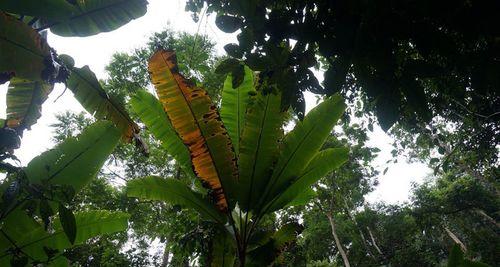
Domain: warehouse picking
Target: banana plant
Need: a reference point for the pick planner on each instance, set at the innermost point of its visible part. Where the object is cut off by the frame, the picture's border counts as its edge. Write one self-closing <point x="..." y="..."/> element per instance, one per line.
<point x="35" y="224"/>
<point x="240" y="154"/>
<point x="33" y="67"/>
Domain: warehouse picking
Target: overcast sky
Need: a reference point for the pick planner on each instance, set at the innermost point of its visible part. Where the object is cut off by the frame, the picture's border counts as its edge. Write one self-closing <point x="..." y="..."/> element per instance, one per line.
<point x="96" y="51"/>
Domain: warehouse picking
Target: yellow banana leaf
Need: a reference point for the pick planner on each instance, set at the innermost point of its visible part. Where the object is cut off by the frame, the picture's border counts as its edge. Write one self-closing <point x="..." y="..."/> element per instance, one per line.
<point x="196" y="120"/>
<point x="24" y="102"/>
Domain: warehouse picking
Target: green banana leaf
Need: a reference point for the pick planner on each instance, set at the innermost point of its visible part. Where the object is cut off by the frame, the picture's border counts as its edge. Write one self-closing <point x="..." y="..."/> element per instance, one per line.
<point x="23" y="51"/>
<point x="174" y="192"/>
<point x="302" y="143"/>
<point x="79" y="18"/>
<point x="31" y="237"/>
<point x="259" y="147"/>
<point x="89" y="92"/>
<point x="222" y="250"/>
<point x="77" y="160"/>
<point x="151" y="112"/>
<point x="324" y="162"/>
<point x="303" y="198"/>
<point x="24" y="102"/>
<point x="234" y="106"/>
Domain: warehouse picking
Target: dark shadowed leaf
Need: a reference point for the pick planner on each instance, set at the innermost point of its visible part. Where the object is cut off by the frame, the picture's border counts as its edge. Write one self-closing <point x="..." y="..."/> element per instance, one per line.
<point x="227" y="23"/>
<point x="68" y="222"/>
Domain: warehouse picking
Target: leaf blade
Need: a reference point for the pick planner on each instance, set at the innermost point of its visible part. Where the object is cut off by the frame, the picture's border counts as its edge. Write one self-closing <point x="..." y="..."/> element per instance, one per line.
<point x="301" y="144"/>
<point x="175" y="192"/>
<point x="195" y="119"/>
<point x="259" y="146"/>
<point x="151" y="112"/>
<point x="89" y="92"/>
<point x="234" y="105"/>
<point x="75" y="161"/>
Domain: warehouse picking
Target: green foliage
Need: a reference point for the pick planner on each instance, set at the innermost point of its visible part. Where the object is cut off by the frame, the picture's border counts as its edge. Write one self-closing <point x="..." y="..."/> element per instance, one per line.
<point x="77" y="160"/>
<point x="302" y="143"/>
<point x="259" y="146"/>
<point x="299" y="147"/>
<point x="24" y="102"/>
<point x="174" y="192"/>
<point x="21" y="44"/>
<point x="322" y="164"/>
<point x="30" y="230"/>
<point x="411" y="61"/>
<point x="79" y="18"/>
<point x="149" y="109"/>
<point x="236" y="101"/>
<point x="88" y="91"/>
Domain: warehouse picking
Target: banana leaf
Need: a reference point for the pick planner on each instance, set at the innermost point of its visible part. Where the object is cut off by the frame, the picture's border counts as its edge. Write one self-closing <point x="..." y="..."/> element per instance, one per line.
<point x="197" y="122"/>
<point x="151" y="112"/>
<point x="259" y="147"/>
<point x="174" y="192"/>
<point x="24" y="53"/>
<point x="79" y="18"/>
<point x="24" y="102"/>
<point x="77" y="160"/>
<point x="301" y="145"/>
<point x="234" y="106"/>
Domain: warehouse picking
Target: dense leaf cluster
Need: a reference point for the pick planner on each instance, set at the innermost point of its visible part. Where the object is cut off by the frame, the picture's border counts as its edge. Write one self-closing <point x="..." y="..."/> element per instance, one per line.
<point x="413" y="60"/>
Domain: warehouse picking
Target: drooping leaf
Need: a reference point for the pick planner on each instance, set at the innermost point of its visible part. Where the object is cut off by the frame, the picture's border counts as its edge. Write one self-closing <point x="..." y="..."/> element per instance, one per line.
<point x="88" y="91"/>
<point x="195" y="119"/>
<point x="323" y="162"/>
<point x="151" y="112"/>
<point x="79" y="18"/>
<point x="32" y="238"/>
<point x="68" y="222"/>
<point x="24" y="53"/>
<point x="77" y="160"/>
<point x="222" y="250"/>
<point x="174" y="192"/>
<point x="259" y="147"/>
<point x="302" y="143"/>
<point x="234" y="106"/>
<point x="24" y="102"/>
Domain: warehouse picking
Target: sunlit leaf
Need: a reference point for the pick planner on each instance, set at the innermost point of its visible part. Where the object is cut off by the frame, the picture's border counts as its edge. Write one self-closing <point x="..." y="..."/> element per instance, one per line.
<point x="77" y="160"/>
<point x="32" y="238"/>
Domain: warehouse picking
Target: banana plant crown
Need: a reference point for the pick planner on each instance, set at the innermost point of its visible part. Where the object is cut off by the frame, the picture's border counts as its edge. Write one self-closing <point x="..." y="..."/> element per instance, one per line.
<point x="239" y="152"/>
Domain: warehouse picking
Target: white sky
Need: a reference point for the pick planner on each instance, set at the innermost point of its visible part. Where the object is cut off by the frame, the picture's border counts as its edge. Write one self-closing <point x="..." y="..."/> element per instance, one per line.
<point x="96" y="51"/>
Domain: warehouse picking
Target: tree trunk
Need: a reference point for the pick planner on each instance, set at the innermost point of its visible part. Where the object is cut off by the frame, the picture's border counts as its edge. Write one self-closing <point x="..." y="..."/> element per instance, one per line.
<point x="487" y="217"/>
<point x="166" y="256"/>
<point x="373" y="242"/>
<point x="365" y="244"/>
<point x="337" y="241"/>
<point x="455" y="239"/>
